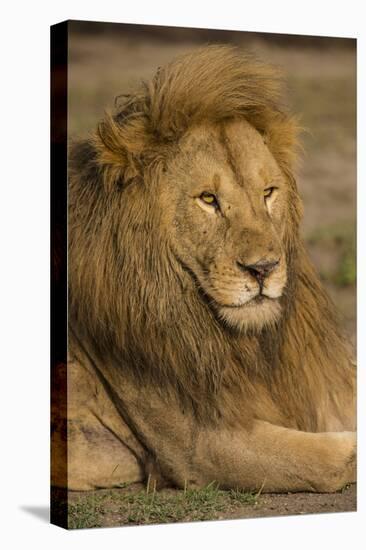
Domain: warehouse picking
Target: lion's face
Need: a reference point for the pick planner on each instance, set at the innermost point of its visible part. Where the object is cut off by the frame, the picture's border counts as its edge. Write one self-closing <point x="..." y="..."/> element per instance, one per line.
<point x="224" y="203"/>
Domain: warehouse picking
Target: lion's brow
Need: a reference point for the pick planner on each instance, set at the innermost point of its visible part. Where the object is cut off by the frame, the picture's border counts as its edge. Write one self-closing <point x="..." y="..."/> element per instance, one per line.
<point x="216" y="180"/>
<point x="225" y="142"/>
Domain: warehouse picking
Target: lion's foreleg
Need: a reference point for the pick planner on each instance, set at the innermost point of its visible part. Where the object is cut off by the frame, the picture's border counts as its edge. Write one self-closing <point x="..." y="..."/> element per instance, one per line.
<point x="277" y="459"/>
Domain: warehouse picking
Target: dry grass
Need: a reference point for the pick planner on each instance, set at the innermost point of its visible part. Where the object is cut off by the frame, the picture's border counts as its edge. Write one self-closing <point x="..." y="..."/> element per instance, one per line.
<point x="141" y="507"/>
<point x="132" y="505"/>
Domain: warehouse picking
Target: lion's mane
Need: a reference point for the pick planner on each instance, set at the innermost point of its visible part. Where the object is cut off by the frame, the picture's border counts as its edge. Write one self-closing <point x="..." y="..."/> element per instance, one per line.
<point x="129" y="298"/>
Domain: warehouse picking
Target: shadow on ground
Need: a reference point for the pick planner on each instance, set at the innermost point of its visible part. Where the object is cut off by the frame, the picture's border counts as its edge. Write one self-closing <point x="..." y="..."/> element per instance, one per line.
<point x="40" y="512"/>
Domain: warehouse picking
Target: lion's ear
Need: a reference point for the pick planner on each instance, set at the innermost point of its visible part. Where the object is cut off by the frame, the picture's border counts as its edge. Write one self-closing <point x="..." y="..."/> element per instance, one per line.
<point x="119" y="148"/>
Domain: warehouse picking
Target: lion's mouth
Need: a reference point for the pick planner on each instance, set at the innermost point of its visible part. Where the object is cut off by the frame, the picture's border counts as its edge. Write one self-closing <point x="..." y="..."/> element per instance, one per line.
<point x="255" y="301"/>
<point x="259" y="298"/>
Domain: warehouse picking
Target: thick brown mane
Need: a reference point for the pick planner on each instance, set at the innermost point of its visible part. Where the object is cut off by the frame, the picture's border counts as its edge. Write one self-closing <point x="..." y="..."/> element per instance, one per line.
<point x="132" y="301"/>
<point x="215" y="84"/>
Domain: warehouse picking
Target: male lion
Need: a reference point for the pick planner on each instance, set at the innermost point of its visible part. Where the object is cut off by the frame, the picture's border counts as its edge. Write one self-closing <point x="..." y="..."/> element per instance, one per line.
<point x="202" y="345"/>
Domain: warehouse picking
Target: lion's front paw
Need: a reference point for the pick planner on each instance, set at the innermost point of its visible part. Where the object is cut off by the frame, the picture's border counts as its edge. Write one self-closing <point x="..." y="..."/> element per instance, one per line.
<point x="343" y="467"/>
<point x="351" y="458"/>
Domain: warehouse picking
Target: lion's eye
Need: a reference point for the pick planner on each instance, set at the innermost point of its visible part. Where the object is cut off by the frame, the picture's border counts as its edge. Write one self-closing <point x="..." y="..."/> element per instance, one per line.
<point x="209" y="198"/>
<point x="268" y="192"/>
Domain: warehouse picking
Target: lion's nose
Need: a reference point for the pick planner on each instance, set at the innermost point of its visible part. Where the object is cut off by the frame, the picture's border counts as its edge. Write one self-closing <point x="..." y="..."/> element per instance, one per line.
<point x="259" y="270"/>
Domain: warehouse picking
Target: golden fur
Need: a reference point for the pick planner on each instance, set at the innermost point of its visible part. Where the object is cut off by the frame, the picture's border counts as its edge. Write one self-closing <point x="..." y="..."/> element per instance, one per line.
<point x="158" y="308"/>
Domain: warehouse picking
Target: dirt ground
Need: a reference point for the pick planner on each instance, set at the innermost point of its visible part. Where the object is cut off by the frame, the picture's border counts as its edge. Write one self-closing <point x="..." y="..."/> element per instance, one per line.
<point x="131" y="506"/>
<point x="321" y="78"/>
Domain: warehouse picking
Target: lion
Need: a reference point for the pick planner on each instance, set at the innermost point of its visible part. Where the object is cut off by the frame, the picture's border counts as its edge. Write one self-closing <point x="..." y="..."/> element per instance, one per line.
<point x="202" y="346"/>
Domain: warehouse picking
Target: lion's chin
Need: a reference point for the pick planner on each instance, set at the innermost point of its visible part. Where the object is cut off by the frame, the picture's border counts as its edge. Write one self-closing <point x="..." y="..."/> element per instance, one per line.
<point x="256" y="314"/>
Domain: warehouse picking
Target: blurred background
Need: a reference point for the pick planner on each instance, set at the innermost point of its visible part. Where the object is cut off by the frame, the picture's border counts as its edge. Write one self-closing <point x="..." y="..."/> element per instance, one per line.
<point x="106" y="60"/>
